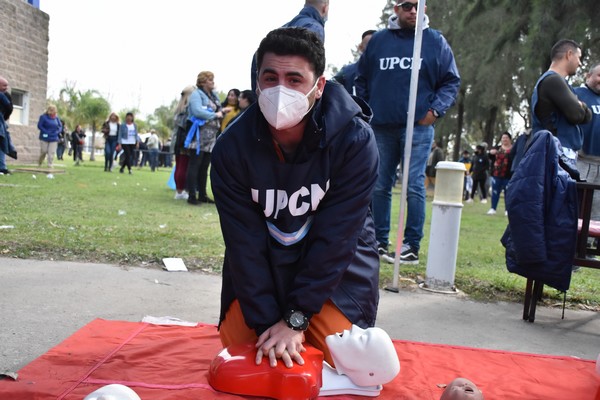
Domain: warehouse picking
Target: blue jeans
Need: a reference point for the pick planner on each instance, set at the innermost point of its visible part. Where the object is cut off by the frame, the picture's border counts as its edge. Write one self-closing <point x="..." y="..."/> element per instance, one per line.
<point x="390" y="143"/>
<point x="498" y="185"/>
<point x="2" y="160"/>
<point x="153" y="158"/>
<point x="110" y="146"/>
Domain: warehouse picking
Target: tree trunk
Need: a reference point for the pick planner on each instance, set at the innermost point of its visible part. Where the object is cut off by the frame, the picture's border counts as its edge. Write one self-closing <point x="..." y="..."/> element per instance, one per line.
<point x="490" y="126"/>
<point x="92" y="157"/>
<point x="460" y="115"/>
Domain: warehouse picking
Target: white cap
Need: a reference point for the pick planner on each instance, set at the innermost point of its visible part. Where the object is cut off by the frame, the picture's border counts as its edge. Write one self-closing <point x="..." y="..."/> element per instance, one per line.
<point x="113" y="392"/>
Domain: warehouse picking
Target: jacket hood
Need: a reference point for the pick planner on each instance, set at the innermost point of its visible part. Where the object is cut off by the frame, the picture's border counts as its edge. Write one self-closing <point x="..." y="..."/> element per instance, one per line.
<point x="393" y="22"/>
<point x="336" y="109"/>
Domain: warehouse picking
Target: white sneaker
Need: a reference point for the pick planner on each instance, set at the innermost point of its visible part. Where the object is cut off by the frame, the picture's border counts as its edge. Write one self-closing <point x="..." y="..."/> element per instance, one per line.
<point x="469" y="201"/>
<point x="491" y="212"/>
<point x="181" y="196"/>
<point x="483" y="201"/>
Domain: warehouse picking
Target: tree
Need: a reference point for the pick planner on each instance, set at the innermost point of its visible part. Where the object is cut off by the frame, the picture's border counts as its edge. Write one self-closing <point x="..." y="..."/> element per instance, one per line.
<point x="93" y="110"/>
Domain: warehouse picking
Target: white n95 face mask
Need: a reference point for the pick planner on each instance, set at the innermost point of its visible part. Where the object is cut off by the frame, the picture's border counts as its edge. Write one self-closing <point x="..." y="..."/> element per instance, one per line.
<point x="282" y="107"/>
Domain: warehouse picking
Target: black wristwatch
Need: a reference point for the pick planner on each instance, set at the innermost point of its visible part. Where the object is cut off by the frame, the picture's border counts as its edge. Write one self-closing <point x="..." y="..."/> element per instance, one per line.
<point x="435" y="113"/>
<point x="296" y="320"/>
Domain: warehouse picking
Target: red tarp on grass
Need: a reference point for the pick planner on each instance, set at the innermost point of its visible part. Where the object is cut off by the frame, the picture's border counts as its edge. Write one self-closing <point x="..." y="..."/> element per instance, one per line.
<point x="171" y="362"/>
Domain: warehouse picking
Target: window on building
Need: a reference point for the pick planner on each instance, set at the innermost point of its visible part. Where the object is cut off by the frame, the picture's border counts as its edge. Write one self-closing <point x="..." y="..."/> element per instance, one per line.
<point x="20" y="114"/>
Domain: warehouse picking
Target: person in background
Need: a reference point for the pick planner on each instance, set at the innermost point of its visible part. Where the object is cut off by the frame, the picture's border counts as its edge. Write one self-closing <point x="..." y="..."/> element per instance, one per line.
<point x="181" y="153"/>
<point x="313" y="16"/>
<point x="435" y="156"/>
<point x="6" y="109"/>
<point x="110" y="130"/>
<point x="501" y="159"/>
<point x="203" y="106"/>
<point x="588" y="162"/>
<point x="77" y="142"/>
<point x="479" y="173"/>
<point x="153" y="149"/>
<point x="62" y="141"/>
<point x="246" y="99"/>
<point x="50" y="128"/>
<point x="556" y="108"/>
<point x="230" y="107"/>
<point x="468" y="181"/>
<point x="165" y="159"/>
<point x="143" y="149"/>
<point x="129" y="139"/>
<point x="347" y="74"/>
<point x="383" y="81"/>
<point x="283" y="174"/>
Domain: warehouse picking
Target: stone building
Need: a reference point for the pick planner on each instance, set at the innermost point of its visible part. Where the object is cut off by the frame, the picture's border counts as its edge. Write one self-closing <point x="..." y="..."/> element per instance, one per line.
<point x="24" y="63"/>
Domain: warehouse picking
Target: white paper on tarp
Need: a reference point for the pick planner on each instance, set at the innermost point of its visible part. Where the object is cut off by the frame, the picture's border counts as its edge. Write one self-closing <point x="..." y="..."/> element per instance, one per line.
<point x="167" y="321"/>
<point x="174" y="264"/>
<point x="335" y="384"/>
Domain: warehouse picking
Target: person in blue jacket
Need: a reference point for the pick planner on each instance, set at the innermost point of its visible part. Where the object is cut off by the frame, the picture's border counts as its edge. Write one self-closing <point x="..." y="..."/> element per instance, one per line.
<point x="312" y="17"/>
<point x="292" y="180"/>
<point x="588" y="161"/>
<point x="347" y="74"/>
<point x="383" y="80"/>
<point x="50" y="128"/>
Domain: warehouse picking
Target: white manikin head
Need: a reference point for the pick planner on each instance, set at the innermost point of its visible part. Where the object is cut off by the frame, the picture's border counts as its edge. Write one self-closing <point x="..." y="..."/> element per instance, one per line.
<point x="113" y="392"/>
<point x="462" y="389"/>
<point x="366" y="356"/>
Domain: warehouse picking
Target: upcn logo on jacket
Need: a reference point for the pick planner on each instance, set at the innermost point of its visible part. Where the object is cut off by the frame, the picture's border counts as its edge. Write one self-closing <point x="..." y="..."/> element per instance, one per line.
<point x="298" y="203"/>
<point x="386" y="63"/>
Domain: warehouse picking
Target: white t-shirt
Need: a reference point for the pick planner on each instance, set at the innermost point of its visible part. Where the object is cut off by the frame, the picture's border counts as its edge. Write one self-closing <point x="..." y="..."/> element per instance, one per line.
<point x="131" y="135"/>
<point x="113" y="128"/>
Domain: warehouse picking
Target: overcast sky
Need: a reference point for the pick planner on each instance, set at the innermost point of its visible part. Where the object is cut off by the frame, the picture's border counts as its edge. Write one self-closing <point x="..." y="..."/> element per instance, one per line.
<point x="142" y="54"/>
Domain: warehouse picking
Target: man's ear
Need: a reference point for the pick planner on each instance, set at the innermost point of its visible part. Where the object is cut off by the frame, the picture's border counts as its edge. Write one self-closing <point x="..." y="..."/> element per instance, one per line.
<point x="320" y="87"/>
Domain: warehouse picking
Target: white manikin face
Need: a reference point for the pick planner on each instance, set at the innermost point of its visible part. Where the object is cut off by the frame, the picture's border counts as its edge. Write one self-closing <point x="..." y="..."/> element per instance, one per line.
<point x="366" y="356"/>
<point x="462" y="389"/>
<point x="113" y="392"/>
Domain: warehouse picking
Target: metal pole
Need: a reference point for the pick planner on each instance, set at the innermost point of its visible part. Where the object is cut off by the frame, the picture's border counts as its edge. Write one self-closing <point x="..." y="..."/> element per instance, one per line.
<point x="410" y="122"/>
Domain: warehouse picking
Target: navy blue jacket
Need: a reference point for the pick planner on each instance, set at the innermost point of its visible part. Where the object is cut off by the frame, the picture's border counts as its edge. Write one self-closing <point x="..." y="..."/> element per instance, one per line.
<point x="346" y="77"/>
<point x="299" y="233"/>
<point x="310" y="19"/>
<point x="591" y="130"/>
<point x="541" y="200"/>
<point x="384" y="71"/>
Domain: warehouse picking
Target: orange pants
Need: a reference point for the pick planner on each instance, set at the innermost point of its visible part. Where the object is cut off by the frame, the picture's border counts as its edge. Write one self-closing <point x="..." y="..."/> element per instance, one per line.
<point x="330" y="320"/>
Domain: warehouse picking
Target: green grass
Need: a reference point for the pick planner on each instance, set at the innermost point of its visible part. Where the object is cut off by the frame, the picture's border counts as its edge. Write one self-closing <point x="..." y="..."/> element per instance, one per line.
<point x="79" y="216"/>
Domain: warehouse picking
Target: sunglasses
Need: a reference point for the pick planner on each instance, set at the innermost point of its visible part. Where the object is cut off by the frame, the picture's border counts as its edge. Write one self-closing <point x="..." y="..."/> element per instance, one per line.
<point x="407" y="6"/>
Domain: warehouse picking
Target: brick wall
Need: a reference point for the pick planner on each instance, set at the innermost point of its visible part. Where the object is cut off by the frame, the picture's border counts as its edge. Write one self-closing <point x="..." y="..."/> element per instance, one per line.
<point x="24" y="63"/>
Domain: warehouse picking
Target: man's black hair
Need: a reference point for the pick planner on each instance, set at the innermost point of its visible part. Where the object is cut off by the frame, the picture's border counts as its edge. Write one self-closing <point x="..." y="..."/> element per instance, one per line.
<point x="561" y="47"/>
<point x="367" y="33"/>
<point x="294" y="42"/>
<point x="248" y="95"/>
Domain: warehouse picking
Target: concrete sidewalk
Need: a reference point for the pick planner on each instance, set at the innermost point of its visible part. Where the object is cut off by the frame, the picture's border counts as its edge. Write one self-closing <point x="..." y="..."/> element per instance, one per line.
<point x="44" y="302"/>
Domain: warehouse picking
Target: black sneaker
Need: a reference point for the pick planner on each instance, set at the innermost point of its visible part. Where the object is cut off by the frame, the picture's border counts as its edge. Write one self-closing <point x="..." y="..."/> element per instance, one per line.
<point x="409" y="255"/>
<point x="385" y="255"/>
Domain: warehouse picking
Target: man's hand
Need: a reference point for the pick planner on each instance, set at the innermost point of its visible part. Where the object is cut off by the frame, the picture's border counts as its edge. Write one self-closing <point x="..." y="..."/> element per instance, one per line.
<point x="428" y="119"/>
<point x="280" y="341"/>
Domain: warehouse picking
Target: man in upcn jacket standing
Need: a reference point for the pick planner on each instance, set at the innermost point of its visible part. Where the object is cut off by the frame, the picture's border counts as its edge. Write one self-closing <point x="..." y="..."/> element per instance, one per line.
<point x="292" y="180"/>
<point x="383" y="80"/>
<point x="588" y="162"/>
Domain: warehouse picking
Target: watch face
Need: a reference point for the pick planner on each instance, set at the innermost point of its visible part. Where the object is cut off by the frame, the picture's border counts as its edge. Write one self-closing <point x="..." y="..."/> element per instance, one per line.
<point x="297" y="319"/>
